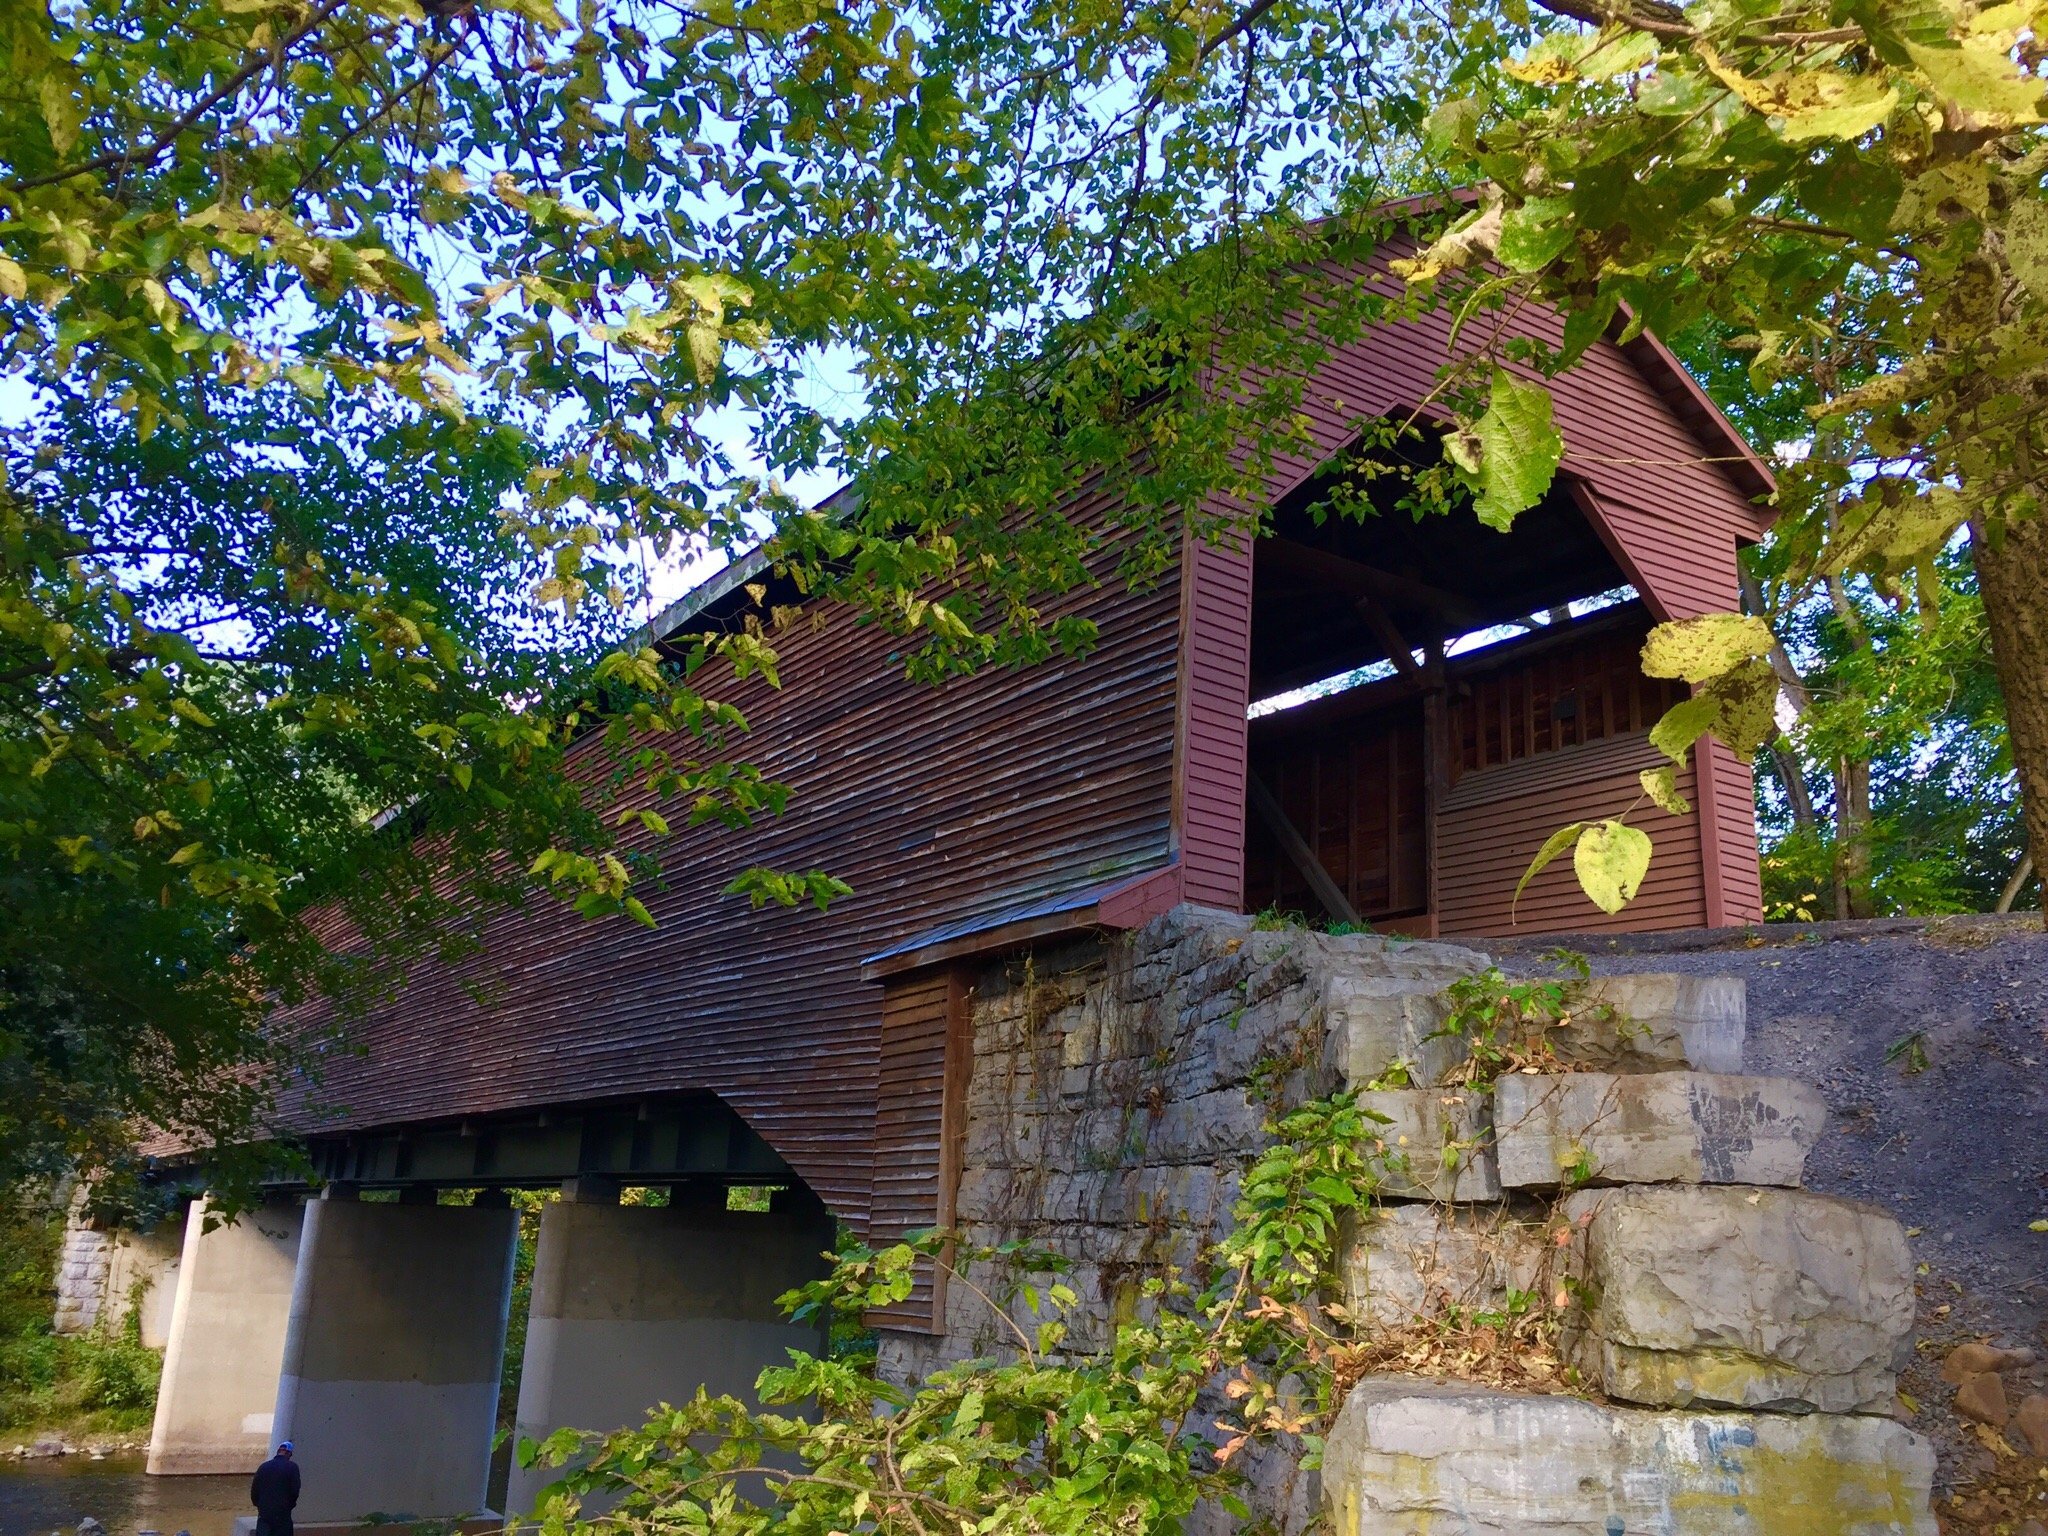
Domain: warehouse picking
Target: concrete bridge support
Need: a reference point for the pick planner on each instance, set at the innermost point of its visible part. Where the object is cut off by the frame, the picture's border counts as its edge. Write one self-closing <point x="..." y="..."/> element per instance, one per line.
<point x="225" y="1341"/>
<point x="391" y="1363"/>
<point x="634" y="1306"/>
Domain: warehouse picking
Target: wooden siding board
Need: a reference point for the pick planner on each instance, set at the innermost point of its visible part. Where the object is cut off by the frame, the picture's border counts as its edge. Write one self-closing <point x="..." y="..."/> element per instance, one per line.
<point x="1210" y="741"/>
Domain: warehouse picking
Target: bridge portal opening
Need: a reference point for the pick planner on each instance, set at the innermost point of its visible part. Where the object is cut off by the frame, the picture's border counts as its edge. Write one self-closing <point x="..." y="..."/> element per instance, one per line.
<point x="1425" y="689"/>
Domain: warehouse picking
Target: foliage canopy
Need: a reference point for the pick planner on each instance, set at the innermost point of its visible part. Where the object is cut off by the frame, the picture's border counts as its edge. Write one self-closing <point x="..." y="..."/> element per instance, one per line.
<point x="579" y="272"/>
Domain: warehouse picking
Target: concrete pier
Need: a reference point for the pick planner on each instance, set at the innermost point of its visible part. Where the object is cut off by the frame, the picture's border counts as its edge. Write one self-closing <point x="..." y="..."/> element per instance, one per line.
<point x="225" y="1341"/>
<point x="634" y="1306"/>
<point x="391" y="1362"/>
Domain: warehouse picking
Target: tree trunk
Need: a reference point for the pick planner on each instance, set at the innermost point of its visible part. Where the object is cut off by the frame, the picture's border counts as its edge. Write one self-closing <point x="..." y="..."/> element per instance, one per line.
<point x="1852" y="839"/>
<point x="2012" y="575"/>
<point x="1791" y="772"/>
<point x="1793" y="776"/>
<point x="2020" y="876"/>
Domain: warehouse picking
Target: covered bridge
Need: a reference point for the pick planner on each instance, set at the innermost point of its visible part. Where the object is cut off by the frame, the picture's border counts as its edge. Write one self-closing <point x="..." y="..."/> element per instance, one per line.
<point x="826" y="1053"/>
<point x="999" y="809"/>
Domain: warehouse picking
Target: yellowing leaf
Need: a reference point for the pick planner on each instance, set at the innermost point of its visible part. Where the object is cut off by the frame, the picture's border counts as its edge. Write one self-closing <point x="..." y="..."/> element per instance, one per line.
<point x="13" y="281"/>
<point x="1809" y="103"/>
<point x="1682" y="724"/>
<point x="2026" y="244"/>
<point x="1610" y="861"/>
<point x="1978" y="74"/>
<point x="1563" y="57"/>
<point x="1706" y="647"/>
<point x="1553" y="845"/>
<point x="705" y="351"/>
<point x="1661" y="785"/>
<point x="1745" y="702"/>
<point x="1888" y="537"/>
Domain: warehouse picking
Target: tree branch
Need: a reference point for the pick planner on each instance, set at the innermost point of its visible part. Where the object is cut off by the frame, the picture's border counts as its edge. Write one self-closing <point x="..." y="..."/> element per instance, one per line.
<point x="128" y="159"/>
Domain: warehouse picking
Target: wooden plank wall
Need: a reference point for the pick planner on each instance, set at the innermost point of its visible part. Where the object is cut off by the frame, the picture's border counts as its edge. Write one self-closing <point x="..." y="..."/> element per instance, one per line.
<point x="935" y="803"/>
<point x="1354" y="791"/>
<point x="1216" y="684"/>
<point x="927" y="1048"/>
<point x="1563" y="696"/>
<point x="1494" y="821"/>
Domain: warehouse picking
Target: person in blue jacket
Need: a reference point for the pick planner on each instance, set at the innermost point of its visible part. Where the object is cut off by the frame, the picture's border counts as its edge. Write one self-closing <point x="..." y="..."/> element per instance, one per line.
<point x="274" y="1490"/>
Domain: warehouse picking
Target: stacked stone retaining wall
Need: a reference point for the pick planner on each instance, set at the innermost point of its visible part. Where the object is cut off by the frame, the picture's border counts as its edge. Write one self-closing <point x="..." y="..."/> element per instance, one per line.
<point x="1732" y="1338"/>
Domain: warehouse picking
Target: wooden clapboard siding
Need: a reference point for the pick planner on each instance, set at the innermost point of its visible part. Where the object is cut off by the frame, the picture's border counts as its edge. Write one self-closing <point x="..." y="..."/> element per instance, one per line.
<point x="920" y="1118"/>
<point x="1564" y="696"/>
<point x="935" y="803"/>
<point x="1494" y="821"/>
<point x="1216" y="684"/>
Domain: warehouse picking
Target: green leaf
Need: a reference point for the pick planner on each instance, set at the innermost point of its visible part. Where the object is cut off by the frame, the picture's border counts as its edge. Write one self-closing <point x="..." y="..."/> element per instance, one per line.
<point x="1661" y="785"/>
<point x="1553" y="845"/>
<point x="1611" y="860"/>
<point x="1452" y="127"/>
<point x="1532" y="235"/>
<point x="1706" y="647"/>
<point x="1683" y="724"/>
<point x="1978" y="74"/>
<point x="1509" y="456"/>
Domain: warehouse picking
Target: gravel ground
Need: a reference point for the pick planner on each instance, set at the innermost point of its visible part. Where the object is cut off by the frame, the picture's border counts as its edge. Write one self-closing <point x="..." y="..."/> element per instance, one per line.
<point x="1929" y="1039"/>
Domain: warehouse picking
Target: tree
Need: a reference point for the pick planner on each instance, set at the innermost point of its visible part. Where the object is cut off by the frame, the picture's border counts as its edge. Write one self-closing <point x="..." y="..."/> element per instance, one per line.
<point x="1060" y="244"/>
<point x="1857" y="190"/>
<point x="206" y="701"/>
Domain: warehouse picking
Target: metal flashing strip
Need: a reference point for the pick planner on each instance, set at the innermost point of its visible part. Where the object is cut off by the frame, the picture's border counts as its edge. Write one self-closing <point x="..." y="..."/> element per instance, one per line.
<point x="1068" y="912"/>
<point x="730" y="578"/>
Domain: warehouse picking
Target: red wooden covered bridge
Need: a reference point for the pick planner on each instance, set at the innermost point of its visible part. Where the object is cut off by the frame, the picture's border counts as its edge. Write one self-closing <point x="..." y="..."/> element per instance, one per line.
<point x="1000" y="809"/>
<point x="827" y="1053"/>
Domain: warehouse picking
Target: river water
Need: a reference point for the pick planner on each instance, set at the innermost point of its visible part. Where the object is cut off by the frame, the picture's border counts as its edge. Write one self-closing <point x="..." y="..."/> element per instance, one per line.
<point x="42" y="1496"/>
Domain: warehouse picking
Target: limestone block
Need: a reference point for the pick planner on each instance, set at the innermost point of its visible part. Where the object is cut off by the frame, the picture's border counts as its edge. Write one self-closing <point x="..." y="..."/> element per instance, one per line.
<point x="1752" y="1298"/>
<point x="1408" y="1455"/>
<point x="1435" y="1144"/>
<point x="1405" y="1262"/>
<point x="1373" y="1022"/>
<point x="1656" y="1022"/>
<point x="1653" y="1128"/>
